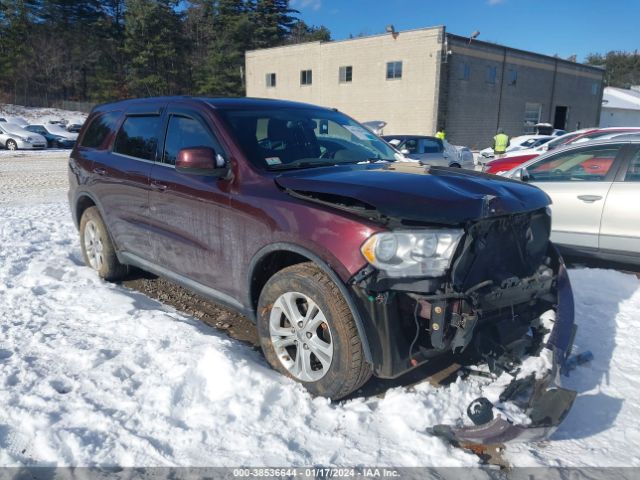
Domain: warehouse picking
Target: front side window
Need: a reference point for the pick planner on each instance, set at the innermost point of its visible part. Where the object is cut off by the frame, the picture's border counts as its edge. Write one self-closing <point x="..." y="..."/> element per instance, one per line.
<point x="99" y="129"/>
<point x="137" y="137"/>
<point x="588" y="165"/>
<point x="271" y="79"/>
<point x="345" y="74"/>
<point x="306" y="77"/>
<point x="430" y="145"/>
<point x="301" y="137"/>
<point x="185" y="132"/>
<point x="394" y="70"/>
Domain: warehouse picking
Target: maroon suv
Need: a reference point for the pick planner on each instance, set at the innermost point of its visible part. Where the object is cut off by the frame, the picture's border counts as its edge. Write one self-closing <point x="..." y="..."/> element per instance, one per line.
<point x="351" y="260"/>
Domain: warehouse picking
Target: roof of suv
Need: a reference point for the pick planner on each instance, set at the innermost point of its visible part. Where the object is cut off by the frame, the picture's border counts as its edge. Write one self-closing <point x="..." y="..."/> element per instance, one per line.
<point x="215" y="102"/>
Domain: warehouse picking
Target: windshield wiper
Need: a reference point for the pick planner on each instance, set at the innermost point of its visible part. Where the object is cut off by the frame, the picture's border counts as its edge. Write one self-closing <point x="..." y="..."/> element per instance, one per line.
<point x="301" y="164"/>
<point x="323" y="163"/>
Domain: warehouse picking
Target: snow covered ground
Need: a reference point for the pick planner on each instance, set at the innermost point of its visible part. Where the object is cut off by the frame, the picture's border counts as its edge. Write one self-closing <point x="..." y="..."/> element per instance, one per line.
<point x="93" y="373"/>
<point x="32" y="114"/>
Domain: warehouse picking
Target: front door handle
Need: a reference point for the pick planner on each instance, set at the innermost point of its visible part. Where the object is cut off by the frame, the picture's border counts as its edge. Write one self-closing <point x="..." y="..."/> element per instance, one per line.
<point x="589" y="198"/>
<point x="161" y="187"/>
<point x="99" y="171"/>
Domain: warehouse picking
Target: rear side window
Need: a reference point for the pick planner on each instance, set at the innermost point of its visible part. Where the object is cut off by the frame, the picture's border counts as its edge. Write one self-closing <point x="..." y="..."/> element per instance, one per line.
<point x="99" y="129"/>
<point x="182" y="133"/>
<point x="138" y="137"/>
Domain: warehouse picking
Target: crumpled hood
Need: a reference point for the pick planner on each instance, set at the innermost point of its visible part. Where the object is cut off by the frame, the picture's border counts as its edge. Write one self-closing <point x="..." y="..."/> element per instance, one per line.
<point x="409" y="191"/>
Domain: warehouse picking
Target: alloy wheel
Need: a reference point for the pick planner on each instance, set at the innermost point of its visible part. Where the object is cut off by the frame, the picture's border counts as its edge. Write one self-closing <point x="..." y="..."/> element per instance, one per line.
<point x="93" y="245"/>
<point x="301" y="336"/>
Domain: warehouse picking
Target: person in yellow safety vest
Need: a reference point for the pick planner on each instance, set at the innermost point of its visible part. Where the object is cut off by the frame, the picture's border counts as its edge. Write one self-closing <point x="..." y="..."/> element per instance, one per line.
<point x="441" y="134"/>
<point x="500" y="143"/>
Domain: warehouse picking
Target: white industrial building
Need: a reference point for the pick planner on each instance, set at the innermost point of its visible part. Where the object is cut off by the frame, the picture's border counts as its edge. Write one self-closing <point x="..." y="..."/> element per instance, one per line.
<point x="620" y="107"/>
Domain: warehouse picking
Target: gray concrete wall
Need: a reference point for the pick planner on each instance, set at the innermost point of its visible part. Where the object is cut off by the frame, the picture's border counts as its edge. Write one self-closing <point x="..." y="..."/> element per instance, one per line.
<point x="408" y="105"/>
<point x="476" y="108"/>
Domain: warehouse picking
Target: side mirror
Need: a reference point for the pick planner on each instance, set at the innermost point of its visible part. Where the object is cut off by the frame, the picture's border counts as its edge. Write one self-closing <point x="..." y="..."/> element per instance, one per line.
<point x="405" y="151"/>
<point x="522" y="174"/>
<point x="201" y="161"/>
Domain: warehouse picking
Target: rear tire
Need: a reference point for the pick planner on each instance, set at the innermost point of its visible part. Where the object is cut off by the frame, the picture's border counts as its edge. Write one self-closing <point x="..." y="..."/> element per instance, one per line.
<point x="316" y="340"/>
<point x="97" y="249"/>
<point x="11" y="145"/>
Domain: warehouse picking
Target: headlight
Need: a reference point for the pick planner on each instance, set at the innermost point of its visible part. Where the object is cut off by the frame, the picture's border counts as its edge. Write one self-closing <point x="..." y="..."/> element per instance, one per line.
<point x="420" y="253"/>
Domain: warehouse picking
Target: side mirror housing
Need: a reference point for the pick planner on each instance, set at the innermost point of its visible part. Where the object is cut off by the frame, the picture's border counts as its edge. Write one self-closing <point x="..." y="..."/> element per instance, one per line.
<point x="405" y="151"/>
<point x="201" y="161"/>
<point x="521" y="174"/>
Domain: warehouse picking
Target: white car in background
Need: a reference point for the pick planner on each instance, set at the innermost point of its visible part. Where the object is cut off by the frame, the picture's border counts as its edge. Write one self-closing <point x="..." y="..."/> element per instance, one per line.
<point x="431" y="150"/>
<point x="595" y="188"/>
<point x="14" y="137"/>
<point x="522" y="142"/>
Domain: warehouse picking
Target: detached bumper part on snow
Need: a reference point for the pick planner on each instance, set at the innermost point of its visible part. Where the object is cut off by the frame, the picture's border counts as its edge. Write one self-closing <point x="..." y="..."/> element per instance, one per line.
<point x="545" y="403"/>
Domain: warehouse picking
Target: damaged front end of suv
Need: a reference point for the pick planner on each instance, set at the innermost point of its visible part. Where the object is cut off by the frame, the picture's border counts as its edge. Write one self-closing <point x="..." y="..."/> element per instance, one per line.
<point x="497" y="296"/>
<point x="492" y="292"/>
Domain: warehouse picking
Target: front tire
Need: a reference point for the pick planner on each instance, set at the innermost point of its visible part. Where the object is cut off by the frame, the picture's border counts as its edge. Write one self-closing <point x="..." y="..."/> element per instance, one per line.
<point x="11" y="145"/>
<point x="308" y="333"/>
<point x="97" y="249"/>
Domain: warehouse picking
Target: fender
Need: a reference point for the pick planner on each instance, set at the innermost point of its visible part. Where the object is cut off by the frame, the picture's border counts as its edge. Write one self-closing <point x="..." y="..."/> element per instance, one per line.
<point x="326" y="268"/>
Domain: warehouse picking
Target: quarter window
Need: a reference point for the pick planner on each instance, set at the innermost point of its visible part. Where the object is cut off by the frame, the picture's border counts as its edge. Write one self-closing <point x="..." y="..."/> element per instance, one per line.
<point x="587" y="165"/>
<point x="271" y="79"/>
<point x="138" y="137"/>
<point x="346" y="74"/>
<point x="633" y="172"/>
<point x="394" y="70"/>
<point x="306" y="77"/>
<point x="184" y="132"/>
<point x="99" y="129"/>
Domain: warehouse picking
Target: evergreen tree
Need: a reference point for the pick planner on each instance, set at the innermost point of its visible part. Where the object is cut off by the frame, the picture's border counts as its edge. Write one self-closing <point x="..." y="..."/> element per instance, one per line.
<point x="273" y="22"/>
<point x="154" y="47"/>
<point x="233" y="32"/>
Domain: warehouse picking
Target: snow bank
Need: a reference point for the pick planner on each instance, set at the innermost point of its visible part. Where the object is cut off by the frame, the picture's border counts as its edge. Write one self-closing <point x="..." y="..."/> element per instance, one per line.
<point x="34" y="114"/>
<point x="93" y="373"/>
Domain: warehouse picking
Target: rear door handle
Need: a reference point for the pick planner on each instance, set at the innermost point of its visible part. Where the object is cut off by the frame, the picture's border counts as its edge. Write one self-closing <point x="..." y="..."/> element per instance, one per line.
<point x="99" y="171"/>
<point x="161" y="187"/>
<point x="589" y="198"/>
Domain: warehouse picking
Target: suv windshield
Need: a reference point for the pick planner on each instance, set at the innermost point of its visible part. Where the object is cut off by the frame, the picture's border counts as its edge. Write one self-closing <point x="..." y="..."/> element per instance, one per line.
<point x="294" y="138"/>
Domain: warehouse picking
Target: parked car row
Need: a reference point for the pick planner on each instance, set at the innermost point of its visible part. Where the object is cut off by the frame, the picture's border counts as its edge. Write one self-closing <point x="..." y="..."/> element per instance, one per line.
<point x="17" y="134"/>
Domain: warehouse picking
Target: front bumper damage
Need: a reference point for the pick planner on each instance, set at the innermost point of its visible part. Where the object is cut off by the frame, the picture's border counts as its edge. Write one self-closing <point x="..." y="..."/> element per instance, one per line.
<point x="541" y="402"/>
<point x="525" y="399"/>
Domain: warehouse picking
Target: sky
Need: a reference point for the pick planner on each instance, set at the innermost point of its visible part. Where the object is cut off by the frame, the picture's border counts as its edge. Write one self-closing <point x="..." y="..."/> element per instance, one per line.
<point x="563" y="27"/>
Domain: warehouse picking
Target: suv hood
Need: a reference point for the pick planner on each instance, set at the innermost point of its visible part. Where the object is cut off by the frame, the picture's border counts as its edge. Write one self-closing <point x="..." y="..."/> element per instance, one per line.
<point x="409" y="191"/>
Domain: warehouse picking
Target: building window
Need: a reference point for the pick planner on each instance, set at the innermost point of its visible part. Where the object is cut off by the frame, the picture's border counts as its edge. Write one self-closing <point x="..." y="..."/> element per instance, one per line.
<point x="490" y="75"/>
<point x="513" y="76"/>
<point x="532" y="113"/>
<point x="306" y="77"/>
<point x="346" y="74"/>
<point x="271" y="79"/>
<point x="465" y="71"/>
<point x="394" y="70"/>
<point x="595" y="88"/>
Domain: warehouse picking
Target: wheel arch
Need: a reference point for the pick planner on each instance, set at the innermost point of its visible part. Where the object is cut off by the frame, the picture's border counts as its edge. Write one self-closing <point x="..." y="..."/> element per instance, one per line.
<point x="273" y="258"/>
